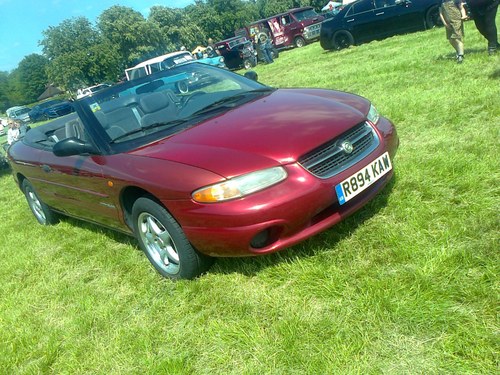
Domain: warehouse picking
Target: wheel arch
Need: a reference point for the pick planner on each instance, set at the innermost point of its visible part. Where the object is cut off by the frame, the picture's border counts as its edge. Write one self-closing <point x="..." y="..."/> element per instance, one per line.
<point x="429" y="22"/>
<point x="19" y="178"/>
<point x="129" y="196"/>
<point x="299" y="38"/>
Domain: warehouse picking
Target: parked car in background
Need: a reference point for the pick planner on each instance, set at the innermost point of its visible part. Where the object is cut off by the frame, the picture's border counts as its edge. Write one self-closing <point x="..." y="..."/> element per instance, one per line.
<point x="168" y="61"/>
<point x="366" y="20"/>
<point x="238" y="52"/>
<point x="50" y="109"/>
<point x="91" y="90"/>
<point x="293" y="28"/>
<point x="19" y="113"/>
<point x="214" y="60"/>
<point x="229" y="167"/>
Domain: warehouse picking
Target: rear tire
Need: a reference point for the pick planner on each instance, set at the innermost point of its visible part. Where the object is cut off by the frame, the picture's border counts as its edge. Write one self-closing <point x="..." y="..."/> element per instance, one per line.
<point x="43" y="213"/>
<point x="342" y="39"/>
<point x="432" y="18"/>
<point x="164" y="242"/>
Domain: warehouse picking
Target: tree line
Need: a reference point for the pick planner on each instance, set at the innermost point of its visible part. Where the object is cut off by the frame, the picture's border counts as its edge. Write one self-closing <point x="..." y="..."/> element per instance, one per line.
<point x="78" y="53"/>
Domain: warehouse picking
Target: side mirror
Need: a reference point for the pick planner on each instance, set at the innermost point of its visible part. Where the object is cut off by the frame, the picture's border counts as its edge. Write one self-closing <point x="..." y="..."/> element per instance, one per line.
<point x="251" y="75"/>
<point x="73" y="146"/>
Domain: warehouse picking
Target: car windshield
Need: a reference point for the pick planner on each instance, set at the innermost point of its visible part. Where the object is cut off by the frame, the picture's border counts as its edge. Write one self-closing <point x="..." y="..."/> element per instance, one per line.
<point x="169" y="101"/>
<point x="305" y="14"/>
<point x="236" y="42"/>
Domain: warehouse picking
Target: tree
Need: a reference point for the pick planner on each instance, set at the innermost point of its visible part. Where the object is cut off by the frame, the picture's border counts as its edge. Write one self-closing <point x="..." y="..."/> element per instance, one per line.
<point x="99" y="63"/>
<point x="4" y="98"/>
<point x="69" y="36"/>
<point x="32" y="75"/>
<point x="78" y="55"/>
<point x="133" y="36"/>
<point x="177" y="28"/>
<point x="219" y="19"/>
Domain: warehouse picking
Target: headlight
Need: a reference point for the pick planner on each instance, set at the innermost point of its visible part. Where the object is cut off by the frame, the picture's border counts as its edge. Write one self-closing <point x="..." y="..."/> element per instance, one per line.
<point x="240" y="186"/>
<point x="373" y="115"/>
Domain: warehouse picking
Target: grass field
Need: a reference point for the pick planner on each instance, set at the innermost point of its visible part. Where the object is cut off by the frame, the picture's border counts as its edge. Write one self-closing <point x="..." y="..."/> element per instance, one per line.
<point x="408" y="285"/>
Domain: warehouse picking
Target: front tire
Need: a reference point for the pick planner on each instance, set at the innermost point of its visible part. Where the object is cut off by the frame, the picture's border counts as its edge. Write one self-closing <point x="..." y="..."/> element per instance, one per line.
<point x="249" y="63"/>
<point x="43" y="213"/>
<point x="164" y="243"/>
<point x="299" y="42"/>
<point x="342" y="39"/>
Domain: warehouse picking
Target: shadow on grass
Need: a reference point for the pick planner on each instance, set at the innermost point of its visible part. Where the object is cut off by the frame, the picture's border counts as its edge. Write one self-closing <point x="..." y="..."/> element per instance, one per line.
<point x="250" y="266"/>
<point x="4" y="170"/>
<point x="112" y="234"/>
<point x="468" y="51"/>
<point x="495" y="74"/>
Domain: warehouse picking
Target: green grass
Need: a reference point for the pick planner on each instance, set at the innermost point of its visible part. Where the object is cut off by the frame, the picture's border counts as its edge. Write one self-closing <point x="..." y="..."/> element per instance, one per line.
<point x="408" y="285"/>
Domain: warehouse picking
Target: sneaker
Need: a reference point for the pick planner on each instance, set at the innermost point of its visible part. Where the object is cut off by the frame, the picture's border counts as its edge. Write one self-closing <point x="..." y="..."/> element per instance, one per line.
<point x="460" y="59"/>
<point x="492" y="51"/>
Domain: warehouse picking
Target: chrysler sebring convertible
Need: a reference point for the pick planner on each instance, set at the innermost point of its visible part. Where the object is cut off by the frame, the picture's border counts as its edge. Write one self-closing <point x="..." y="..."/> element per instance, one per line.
<point x="198" y="162"/>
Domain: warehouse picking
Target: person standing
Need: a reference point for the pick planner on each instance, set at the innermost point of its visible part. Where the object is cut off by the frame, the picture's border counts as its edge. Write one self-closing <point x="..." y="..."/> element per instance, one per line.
<point x="483" y="13"/>
<point x="211" y="50"/>
<point x="13" y="132"/>
<point x="451" y="13"/>
<point x="265" y="46"/>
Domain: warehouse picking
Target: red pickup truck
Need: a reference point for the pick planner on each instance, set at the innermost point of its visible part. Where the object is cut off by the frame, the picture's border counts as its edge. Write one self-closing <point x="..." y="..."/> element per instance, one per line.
<point x="293" y="28"/>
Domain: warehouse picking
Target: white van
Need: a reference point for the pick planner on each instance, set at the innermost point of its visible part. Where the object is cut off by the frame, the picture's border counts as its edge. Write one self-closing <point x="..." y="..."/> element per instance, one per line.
<point x="89" y="91"/>
<point x="157" y="64"/>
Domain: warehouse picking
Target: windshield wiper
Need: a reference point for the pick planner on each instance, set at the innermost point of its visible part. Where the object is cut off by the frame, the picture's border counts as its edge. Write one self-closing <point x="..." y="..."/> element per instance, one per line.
<point x="228" y="102"/>
<point x="171" y="124"/>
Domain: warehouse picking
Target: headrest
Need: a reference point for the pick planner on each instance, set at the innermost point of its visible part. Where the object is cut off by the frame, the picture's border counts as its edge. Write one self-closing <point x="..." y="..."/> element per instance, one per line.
<point x="153" y="102"/>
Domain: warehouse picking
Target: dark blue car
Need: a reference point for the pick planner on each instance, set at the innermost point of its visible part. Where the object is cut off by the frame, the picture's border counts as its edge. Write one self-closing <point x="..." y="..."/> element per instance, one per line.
<point x="50" y="109"/>
<point x="367" y="20"/>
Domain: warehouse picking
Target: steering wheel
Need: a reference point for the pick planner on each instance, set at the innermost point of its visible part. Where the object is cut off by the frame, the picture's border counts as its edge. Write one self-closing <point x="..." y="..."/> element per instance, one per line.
<point x="187" y="99"/>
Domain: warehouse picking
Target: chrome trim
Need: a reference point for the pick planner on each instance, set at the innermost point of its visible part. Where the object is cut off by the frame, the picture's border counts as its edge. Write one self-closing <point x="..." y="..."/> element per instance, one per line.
<point x="332" y="157"/>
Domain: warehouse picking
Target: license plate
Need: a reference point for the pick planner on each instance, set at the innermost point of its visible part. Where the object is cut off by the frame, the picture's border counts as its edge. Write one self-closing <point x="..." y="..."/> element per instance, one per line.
<point x="361" y="180"/>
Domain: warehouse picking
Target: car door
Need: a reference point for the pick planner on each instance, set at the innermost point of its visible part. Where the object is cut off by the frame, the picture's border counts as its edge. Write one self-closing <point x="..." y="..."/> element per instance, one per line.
<point x="292" y="28"/>
<point x="360" y="20"/>
<point x="410" y="17"/>
<point x="76" y="185"/>
<point x="399" y="16"/>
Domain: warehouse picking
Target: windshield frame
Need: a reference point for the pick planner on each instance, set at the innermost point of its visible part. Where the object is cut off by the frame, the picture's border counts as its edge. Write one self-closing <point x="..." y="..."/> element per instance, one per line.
<point x="305" y="14"/>
<point x="89" y="108"/>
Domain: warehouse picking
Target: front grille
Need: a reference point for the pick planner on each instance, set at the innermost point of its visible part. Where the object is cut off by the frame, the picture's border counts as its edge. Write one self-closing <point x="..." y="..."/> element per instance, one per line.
<point x="312" y="31"/>
<point x="331" y="158"/>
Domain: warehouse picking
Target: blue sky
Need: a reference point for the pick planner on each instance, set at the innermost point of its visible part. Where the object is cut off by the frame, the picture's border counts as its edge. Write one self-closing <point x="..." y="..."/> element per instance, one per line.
<point x="22" y="21"/>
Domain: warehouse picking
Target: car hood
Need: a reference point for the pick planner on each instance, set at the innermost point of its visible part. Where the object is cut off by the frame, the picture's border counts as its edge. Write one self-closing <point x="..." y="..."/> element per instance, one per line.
<point x="272" y="130"/>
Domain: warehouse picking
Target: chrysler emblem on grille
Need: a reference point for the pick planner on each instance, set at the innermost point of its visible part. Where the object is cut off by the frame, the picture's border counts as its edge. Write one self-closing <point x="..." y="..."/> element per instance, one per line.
<point x="347" y="147"/>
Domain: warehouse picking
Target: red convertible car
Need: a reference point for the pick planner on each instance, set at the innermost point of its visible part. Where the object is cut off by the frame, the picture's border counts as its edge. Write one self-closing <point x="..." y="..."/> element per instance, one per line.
<point x="199" y="162"/>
